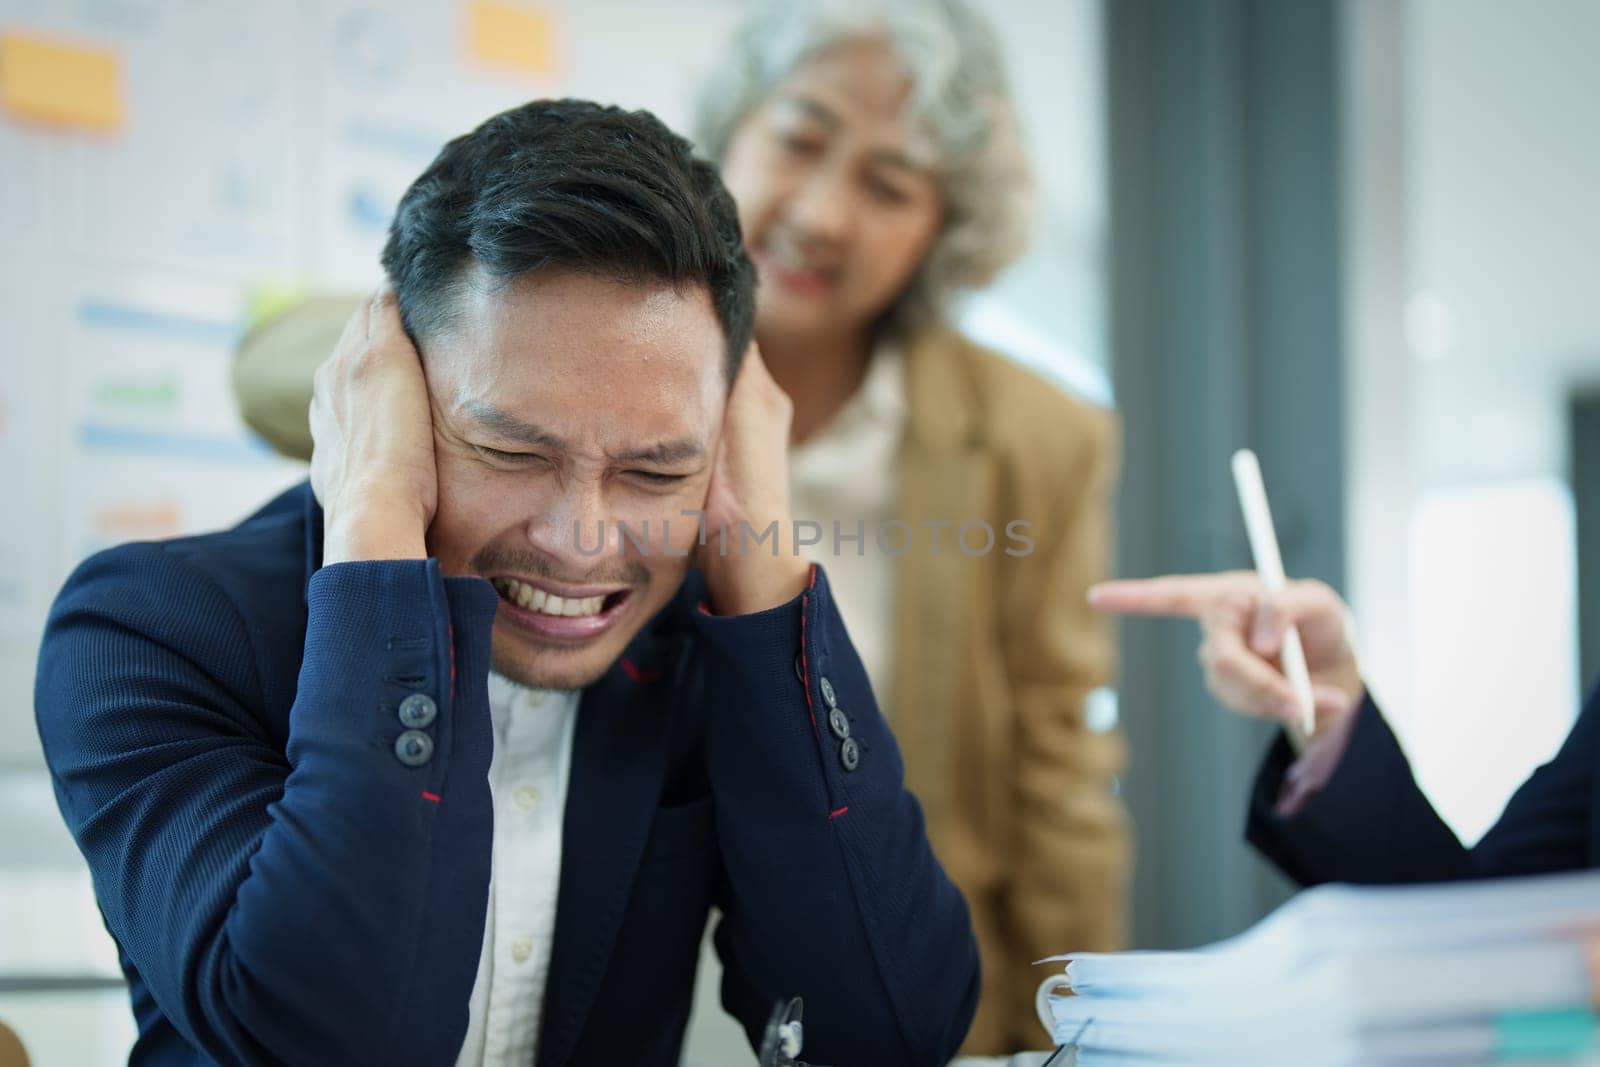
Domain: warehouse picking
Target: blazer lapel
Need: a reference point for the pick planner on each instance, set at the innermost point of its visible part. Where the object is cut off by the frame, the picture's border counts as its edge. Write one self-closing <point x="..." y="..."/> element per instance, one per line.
<point x="620" y="752"/>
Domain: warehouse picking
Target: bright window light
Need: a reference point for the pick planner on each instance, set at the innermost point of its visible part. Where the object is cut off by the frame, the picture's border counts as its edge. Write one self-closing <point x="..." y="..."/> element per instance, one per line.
<point x="1494" y="611"/>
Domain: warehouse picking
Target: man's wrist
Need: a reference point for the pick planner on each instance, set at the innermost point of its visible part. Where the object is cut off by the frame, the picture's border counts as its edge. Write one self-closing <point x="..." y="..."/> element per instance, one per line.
<point x="749" y="586"/>
<point x="391" y="533"/>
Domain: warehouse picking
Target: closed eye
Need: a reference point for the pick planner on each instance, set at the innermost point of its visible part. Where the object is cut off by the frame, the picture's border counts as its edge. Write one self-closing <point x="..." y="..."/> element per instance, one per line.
<point x="501" y="456"/>
<point x="658" y="478"/>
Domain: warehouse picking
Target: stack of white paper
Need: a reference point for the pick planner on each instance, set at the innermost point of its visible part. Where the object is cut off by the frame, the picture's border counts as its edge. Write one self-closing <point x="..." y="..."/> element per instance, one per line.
<point x="1467" y="973"/>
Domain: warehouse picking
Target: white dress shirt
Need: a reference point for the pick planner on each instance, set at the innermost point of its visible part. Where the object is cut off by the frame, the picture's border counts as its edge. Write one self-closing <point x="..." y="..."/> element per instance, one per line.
<point x="528" y="779"/>
<point x="846" y="473"/>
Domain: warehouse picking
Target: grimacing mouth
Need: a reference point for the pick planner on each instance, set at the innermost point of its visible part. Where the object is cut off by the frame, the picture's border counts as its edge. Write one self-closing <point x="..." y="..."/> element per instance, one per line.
<point x="534" y="597"/>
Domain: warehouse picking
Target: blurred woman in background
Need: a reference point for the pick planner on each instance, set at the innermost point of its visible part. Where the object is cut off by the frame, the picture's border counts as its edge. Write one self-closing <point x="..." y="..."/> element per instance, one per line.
<point x="874" y="154"/>
<point x="873" y="150"/>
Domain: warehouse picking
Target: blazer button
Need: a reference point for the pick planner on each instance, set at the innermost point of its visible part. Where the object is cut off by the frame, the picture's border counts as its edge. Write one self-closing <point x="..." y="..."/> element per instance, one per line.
<point x="799" y="669"/>
<point x="850" y="754"/>
<point x="413" y="748"/>
<point x="828" y="696"/>
<point x="418" y="710"/>
<point x="839" y="723"/>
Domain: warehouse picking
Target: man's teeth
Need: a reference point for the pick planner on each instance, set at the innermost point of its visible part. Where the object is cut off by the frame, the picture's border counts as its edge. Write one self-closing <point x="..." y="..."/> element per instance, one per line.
<point x="534" y="599"/>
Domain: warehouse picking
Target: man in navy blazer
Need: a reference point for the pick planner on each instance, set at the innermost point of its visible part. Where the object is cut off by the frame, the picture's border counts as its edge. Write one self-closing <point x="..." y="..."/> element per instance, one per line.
<point x="273" y="744"/>
<point x="1343" y="805"/>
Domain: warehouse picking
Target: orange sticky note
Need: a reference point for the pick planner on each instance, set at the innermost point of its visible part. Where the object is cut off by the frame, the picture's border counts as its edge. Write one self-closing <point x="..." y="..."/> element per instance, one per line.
<point x="161" y="517"/>
<point x="510" y="37"/>
<point x="62" y="83"/>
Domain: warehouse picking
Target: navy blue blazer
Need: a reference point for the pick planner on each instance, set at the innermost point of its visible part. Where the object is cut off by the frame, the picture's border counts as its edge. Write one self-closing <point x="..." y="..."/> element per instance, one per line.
<point x="1371" y="824"/>
<point x="220" y="715"/>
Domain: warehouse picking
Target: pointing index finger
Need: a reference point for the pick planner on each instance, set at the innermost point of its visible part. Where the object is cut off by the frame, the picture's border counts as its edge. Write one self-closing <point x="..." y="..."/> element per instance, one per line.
<point x="1191" y="596"/>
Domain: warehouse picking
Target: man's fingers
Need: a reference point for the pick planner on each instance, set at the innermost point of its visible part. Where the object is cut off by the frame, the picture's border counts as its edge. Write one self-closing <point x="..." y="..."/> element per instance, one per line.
<point x="384" y="325"/>
<point x="756" y="401"/>
<point x="1187" y="595"/>
<point x="750" y="368"/>
<point x="752" y="357"/>
<point x="354" y="342"/>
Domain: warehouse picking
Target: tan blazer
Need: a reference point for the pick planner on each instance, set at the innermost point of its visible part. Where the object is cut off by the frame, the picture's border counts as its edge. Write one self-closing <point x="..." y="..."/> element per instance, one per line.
<point x="992" y="655"/>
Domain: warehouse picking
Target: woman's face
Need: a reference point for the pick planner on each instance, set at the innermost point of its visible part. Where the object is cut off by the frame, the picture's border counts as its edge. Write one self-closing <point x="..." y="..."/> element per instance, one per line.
<point x="834" y="193"/>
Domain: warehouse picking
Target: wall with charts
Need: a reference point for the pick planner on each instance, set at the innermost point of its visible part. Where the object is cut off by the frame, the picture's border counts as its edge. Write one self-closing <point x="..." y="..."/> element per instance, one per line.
<point x="165" y="163"/>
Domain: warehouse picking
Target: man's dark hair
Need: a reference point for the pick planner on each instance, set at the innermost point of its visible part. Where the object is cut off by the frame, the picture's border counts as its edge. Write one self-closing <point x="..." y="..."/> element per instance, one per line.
<point x="569" y="185"/>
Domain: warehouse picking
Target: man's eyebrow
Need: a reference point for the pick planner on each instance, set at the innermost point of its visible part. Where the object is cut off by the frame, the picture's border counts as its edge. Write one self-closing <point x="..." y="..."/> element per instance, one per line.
<point x="664" y="454"/>
<point x="509" y="427"/>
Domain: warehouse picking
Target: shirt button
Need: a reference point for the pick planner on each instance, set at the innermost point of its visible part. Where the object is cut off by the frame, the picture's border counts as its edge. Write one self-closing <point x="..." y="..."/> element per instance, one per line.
<point x="536" y="697"/>
<point x="413" y="748"/>
<point x="418" y="710"/>
<point x="521" y="949"/>
<point x="526" y="797"/>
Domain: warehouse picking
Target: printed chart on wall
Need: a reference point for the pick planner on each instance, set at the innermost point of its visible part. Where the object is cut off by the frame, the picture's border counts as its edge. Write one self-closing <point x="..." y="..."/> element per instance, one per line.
<point x="30" y="556"/>
<point x="151" y="444"/>
<point x="201" y="173"/>
<point x="398" y="81"/>
<point x="147" y="153"/>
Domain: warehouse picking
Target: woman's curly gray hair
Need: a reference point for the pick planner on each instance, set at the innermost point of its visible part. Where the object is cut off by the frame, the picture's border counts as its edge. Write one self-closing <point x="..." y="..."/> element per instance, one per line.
<point x="960" y="97"/>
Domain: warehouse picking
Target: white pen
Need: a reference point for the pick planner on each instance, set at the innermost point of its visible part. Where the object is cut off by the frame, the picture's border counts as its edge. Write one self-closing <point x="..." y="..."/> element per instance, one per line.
<point x="1269" y="565"/>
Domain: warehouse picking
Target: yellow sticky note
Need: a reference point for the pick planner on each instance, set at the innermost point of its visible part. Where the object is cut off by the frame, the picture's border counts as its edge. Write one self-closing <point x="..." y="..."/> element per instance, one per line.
<point x="510" y="36"/>
<point x="62" y="83"/>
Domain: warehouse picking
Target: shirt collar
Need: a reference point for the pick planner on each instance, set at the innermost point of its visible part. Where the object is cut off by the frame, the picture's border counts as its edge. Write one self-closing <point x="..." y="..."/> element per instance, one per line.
<point x="883" y="390"/>
<point x="507" y="696"/>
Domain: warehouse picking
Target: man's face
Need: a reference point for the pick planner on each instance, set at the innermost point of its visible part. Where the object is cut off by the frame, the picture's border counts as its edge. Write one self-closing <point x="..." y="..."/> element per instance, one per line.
<point x="835" y="195"/>
<point x="563" y="403"/>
